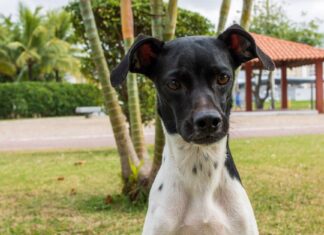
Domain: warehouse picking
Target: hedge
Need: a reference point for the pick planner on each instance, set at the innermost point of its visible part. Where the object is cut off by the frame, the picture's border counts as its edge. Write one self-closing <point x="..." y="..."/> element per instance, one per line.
<point x="37" y="99"/>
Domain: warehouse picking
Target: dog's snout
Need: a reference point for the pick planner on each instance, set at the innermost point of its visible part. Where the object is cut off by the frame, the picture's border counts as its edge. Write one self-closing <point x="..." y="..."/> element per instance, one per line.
<point x="207" y="121"/>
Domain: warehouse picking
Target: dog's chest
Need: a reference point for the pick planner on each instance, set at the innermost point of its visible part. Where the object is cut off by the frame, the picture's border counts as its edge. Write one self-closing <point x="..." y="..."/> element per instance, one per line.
<point x="203" y="216"/>
<point x="194" y="194"/>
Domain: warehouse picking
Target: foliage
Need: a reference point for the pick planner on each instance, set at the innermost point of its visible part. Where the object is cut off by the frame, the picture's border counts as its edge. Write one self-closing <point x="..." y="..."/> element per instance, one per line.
<point x="284" y="186"/>
<point x="107" y="17"/>
<point x="37" y="47"/>
<point x="271" y="19"/>
<point x="38" y="99"/>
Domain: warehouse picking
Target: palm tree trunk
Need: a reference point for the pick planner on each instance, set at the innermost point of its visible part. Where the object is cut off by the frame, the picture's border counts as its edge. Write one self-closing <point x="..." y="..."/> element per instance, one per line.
<point x="171" y="20"/>
<point x="223" y="15"/>
<point x="168" y="34"/>
<point x="246" y="14"/>
<point x="118" y="121"/>
<point x="132" y="88"/>
<point x="157" y="31"/>
<point x="245" y="23"/>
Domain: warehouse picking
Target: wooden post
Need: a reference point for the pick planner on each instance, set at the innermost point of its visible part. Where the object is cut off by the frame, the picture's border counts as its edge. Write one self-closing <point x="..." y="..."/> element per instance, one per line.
<point x="319" y="86"/>
<point x="284" y="88"/>
<point x="248" y="87"/>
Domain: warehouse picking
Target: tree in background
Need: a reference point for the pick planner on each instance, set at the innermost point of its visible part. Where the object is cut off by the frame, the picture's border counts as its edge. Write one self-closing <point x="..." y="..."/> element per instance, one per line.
<point x="8" y="67"/>
<point x="135" y="119"/>
<point x="135" y="175"/>
<point x="163" y="28"/>
<point x="125" y="146"/>
<point x="246" y="14"/>
<point x="223" y="15"/>
<point x="270" y="19"/>
<point x="37" y="47"/>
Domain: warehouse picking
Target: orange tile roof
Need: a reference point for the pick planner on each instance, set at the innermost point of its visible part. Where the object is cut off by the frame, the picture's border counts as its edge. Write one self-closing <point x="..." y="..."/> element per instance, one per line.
<point x="287" y="52"/>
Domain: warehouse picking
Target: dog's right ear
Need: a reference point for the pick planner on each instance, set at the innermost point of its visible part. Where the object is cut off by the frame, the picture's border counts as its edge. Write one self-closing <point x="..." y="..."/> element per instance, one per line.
<point x="140" y="58"/>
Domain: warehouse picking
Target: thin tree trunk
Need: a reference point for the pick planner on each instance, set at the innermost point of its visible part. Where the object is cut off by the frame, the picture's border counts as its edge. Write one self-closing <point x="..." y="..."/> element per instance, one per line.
<point x="118" y="121"/>
<point x="136" y="127"/>
<point x="245" y="23"/>
<point x="246" y="14"/>
<point x="170" y="20"/>
<point x="223" y="15"/>
<point x="167" y="33"/>
<point x="157" y="31"/>
<point x="30" y="71"/>
<point x="57" y="76"/>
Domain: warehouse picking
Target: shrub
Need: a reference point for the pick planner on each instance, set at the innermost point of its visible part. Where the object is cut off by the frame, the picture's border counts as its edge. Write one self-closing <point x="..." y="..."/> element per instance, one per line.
<point x="37" y="99"/>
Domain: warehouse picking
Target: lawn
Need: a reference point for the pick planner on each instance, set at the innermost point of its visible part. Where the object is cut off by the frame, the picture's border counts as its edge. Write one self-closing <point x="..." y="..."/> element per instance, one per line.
<point x="64" y="192"/>
<point x="292" y="105"/>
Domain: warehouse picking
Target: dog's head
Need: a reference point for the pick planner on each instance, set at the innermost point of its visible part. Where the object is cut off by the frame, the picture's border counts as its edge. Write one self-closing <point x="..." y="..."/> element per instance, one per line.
<point x="193" y="77"/>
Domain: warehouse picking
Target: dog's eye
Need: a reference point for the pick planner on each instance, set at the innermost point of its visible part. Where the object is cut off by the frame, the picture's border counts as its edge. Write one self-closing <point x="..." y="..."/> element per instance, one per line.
<point x="174" y="85"/>
<point x="223" y="79"/>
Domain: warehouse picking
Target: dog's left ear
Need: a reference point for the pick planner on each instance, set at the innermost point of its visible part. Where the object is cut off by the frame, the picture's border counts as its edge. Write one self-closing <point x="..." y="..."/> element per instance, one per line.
<point x="243" y="47"/>
<point x="140" y="58"/>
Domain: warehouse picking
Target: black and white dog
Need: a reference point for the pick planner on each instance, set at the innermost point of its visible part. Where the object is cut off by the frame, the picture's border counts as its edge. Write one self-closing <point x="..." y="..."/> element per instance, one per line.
<point x="197" y="189"/>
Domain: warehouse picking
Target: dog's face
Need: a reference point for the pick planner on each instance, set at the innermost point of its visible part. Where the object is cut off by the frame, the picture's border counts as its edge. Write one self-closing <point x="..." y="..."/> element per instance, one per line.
<point x="194" y="77"/>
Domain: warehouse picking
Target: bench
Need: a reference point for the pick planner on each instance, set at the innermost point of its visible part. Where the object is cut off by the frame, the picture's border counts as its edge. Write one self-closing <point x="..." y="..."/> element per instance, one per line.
<point x="88" y="111"/>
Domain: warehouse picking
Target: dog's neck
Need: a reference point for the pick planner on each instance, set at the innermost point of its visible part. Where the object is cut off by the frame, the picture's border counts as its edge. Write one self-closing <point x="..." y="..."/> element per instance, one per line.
<point x="199" y="167"/>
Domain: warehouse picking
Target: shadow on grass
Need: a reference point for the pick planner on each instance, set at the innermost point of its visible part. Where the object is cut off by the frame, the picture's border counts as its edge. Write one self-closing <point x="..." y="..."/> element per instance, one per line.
<point x="117" y="202"/>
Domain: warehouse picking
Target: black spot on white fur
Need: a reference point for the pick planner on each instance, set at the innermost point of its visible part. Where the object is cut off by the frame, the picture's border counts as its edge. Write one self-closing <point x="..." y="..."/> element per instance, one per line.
<point x="194" y="169"/>
<point x="161" y="187"/>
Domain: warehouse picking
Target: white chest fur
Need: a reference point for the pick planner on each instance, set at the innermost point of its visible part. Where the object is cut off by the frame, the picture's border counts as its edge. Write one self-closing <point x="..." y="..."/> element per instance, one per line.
<point x="194" y="194"/>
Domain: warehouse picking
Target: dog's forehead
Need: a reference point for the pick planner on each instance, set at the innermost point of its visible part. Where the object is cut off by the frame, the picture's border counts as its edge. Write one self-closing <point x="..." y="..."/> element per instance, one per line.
<point x="195" y="52"/>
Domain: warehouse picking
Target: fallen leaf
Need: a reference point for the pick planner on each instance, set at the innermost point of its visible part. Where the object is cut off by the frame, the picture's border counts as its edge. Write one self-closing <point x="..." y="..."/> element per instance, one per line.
<point x="79" y="163"/>
<point x="73" y="191"/>
<point x="108" y="200"/>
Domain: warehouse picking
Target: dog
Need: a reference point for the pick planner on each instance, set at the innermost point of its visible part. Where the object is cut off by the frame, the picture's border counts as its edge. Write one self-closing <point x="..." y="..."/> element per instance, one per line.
<point x="198" y="189"/>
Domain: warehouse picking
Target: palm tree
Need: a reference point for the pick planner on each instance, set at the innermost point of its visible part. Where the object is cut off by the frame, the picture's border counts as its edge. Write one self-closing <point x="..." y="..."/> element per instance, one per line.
<point x="136" y="127"/>
<point x="31" y="39"/>
<point x="130" y="163"/>
<point x="7" y="64"/>
<point x="58" y="55"/>
<point x="246" y="14"/>
<point x="223" y="15"/>
<point x="118" y="121"/>
<point x="157" y="31"/>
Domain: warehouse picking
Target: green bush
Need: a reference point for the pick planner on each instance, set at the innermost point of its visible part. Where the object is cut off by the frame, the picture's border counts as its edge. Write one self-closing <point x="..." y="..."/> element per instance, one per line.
<point x="37" y="99"/>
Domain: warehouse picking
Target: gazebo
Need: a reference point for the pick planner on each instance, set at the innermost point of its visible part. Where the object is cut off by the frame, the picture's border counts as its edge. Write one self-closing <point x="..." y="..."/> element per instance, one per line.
<point x="286" y="54"/>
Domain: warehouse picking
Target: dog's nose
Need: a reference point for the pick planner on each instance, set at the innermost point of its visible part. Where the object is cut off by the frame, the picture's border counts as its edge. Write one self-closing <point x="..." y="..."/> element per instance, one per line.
<point x="207" y="121"/>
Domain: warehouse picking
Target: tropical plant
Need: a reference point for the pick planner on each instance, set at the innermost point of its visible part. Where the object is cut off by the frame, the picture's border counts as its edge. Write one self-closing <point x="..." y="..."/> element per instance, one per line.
<point x="37" y="47"/>
<point x="135" y="119"/>
<point x="223" y="15"/>
<point x="30" y="39"/>
<point x="246" y="14"/>
<point x="163" y="28"/>
<point x="128" y="157"/>
<point x="137" y="175"/>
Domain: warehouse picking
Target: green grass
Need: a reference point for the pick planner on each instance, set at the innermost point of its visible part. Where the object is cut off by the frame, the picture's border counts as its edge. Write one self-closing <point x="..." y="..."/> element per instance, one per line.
<point x="292" y="105"/>
<point x="283" y="177"/>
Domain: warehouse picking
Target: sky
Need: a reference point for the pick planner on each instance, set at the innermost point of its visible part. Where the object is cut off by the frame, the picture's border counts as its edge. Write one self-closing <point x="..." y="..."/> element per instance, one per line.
<point x="208" y="8"/>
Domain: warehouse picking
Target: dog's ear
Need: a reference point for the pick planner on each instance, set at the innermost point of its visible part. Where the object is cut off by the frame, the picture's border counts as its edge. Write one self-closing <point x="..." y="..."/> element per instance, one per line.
<point x="243" y="47"/>
<point x="139" y="59"/>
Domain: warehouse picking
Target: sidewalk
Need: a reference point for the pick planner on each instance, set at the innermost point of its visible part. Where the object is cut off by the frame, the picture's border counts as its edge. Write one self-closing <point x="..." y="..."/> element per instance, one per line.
<point x="80" y="132"/>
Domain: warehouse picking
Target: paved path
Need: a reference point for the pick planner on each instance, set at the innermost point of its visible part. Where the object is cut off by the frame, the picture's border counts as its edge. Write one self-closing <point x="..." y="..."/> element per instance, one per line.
<point x="80" y="132"/>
